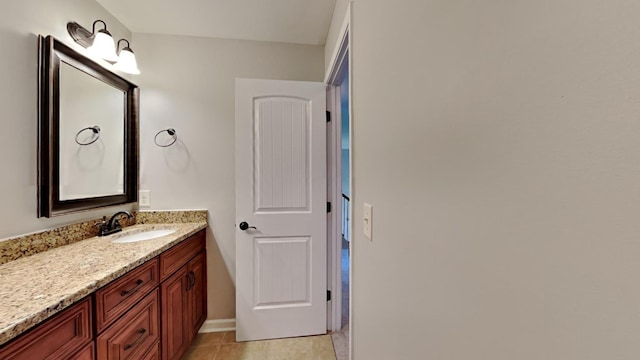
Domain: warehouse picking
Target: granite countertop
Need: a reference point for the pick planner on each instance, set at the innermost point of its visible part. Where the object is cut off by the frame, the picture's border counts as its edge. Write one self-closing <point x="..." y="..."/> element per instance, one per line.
<point x="35" y="287"/>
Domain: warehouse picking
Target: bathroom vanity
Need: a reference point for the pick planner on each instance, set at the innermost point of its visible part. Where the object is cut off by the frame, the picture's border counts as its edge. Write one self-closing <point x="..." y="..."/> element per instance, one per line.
<point x="96" y="299"/>
<point x="126" y="294"/>
<point x="68" y="294"/>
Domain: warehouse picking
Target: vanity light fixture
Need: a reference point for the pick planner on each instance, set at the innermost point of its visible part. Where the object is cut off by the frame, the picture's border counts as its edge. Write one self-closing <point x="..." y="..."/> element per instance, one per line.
<point x="101" y="44"/>
<point x="98" y="43"/>
<point x="127" y="60"/>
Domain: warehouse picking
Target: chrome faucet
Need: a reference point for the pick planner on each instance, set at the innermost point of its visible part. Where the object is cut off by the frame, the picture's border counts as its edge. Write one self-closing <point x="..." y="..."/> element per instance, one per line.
<point x="113" y="225"/>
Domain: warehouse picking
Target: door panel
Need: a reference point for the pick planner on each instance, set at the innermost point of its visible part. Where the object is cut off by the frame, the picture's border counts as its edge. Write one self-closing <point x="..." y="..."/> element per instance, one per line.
<point x="281" y="191"/>
<point x="282" y="152"/>
<point x="282" y="272"/>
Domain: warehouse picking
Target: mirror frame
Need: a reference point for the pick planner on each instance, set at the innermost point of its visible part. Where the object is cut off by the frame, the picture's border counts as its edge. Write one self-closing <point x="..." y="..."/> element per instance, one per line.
<point x="50" y="53"/>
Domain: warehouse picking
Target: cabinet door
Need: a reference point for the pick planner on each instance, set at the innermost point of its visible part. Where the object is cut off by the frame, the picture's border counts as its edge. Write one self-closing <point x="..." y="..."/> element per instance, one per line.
<point x="175" y="325"/>
<point x="197" y="293"/>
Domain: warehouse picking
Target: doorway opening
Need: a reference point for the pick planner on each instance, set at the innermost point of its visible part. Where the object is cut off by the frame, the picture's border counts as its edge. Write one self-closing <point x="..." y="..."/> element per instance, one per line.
<point x="345" y="181"/>
<point x="340" y="193"/>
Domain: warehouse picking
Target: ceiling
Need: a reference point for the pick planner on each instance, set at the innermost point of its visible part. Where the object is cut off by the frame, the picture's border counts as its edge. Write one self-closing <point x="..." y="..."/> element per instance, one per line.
<point x="292" y="21"/>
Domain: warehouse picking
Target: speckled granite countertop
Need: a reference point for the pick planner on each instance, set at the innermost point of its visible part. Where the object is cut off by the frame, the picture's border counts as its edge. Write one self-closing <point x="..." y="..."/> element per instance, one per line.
<point x="35" y="287"/>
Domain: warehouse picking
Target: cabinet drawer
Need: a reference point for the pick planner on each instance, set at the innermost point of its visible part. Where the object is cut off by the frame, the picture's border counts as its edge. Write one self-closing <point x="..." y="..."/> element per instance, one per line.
<point x="85" y="354"/>
<point x="174" y="258"/>
<point x="58" y="338"/>
<point x="134" y="334"/>
<point x="153" y="354"/>
<point x="119" y="296"/>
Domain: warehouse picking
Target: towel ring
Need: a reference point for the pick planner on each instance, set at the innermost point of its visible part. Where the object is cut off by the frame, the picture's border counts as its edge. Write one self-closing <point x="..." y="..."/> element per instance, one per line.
<point x="96" y="135"/>
<point x="169" y="131"/>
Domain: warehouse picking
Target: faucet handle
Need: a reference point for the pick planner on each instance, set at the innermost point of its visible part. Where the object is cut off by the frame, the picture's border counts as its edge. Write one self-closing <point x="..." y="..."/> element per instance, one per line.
<point x="101" y="223"/>
<point x="102" y="226"/>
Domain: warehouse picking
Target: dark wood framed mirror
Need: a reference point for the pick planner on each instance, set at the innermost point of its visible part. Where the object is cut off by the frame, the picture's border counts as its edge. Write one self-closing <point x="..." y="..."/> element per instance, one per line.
<point x="87" y="133"/>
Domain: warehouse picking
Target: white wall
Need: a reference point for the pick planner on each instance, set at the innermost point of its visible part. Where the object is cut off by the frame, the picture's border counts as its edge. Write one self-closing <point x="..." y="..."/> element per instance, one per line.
<point x="188" y="83"/>
<point x="499" y="145"/>
<point x="20" y="23"/>
<point x="339" y="13"/>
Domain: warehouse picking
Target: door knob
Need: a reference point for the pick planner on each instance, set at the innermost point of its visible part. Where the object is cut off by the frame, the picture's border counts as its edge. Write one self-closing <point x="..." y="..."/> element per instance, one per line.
<point x="244" y="226"/>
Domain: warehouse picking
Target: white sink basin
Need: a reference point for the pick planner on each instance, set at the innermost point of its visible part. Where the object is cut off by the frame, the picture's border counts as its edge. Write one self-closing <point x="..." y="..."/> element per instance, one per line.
<point x="142" y="236"/>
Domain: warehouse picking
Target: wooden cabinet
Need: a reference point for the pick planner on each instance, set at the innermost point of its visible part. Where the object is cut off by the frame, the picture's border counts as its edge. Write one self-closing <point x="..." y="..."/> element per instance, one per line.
<point x="183" y="293"/>
<point x="174" y="258"/>
<point x="134" y="333"/>
<point x="153" y="354"/>
<point x="65" y="336"/>
<point x="88" y="353"/>
<point x="119" y="296"/>
<point x="175" y="325"/>
<point x="152" y="312"/>
<point x="197" y="293"/>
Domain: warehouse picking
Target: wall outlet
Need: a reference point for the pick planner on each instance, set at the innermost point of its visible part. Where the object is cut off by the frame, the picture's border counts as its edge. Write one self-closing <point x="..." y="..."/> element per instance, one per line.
<point x="144" y="198"/>
<point x="368" y="220"/>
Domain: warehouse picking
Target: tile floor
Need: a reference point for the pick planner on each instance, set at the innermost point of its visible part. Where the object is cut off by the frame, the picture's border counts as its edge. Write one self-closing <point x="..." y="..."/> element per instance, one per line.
<point x="222" y="346"/>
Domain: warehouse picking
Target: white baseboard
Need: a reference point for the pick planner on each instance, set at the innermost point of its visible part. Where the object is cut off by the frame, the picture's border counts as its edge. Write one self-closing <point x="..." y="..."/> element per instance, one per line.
<point x="210" y="326"/>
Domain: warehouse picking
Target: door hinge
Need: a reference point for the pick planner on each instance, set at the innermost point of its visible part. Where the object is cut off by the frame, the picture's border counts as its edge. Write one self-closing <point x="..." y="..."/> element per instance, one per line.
<point x="328" y="116"/>
<point x="328" y="206"/>
<point x="328" y="295"/>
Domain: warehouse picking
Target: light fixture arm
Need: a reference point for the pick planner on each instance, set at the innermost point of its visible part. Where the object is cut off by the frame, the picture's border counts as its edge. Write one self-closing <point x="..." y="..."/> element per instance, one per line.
<point x="127" y="47"/>
<point x="83" y="36"/>
<point x="79" y="34"/>
<point x="93" y="30"/>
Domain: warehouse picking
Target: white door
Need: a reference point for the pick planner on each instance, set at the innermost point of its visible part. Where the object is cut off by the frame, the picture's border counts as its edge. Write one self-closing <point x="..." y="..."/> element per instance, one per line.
<point x="281" y="191"/>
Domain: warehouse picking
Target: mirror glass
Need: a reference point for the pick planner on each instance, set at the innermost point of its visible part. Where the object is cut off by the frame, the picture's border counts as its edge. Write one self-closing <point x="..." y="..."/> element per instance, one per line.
<point x="88" y="133"/>
<point x="91" y="159"/>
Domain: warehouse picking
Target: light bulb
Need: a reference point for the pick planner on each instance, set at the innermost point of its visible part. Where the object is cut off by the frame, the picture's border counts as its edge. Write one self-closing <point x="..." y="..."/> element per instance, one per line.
<point x="103" y="46"/>
<point x="127" y="62"/>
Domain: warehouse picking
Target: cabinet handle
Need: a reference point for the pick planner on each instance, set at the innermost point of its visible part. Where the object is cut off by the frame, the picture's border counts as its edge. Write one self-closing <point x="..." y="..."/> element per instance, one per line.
<point x="188" y="281"/>
<point x="192" y="279"/>
<point x="133" y="289"/>
<point x="141" y="333"/>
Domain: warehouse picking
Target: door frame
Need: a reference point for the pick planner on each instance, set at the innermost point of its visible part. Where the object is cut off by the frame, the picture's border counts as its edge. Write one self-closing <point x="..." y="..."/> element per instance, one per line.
<point x="341" y="56"/>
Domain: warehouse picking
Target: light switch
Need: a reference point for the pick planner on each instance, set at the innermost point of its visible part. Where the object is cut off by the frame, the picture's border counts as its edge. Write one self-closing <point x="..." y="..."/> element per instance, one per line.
<point x="144" y="198"/>
<point x="368" y="220"/>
